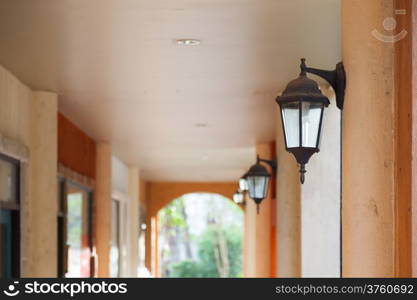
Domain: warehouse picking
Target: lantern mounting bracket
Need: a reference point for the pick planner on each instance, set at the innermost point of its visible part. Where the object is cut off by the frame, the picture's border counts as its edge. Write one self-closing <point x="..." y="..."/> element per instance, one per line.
<point x="336" y="78"/>
<point x="272" y="163"/>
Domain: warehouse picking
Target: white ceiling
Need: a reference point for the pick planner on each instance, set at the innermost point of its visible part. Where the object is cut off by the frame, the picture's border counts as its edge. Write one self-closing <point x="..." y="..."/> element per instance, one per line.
<point x="180" y="113"/>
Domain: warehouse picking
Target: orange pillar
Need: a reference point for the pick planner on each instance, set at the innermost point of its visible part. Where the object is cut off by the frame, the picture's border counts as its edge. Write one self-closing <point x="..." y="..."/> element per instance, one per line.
<point x="102" y="210"/>
<point x="403" y="88"/>
<point x="264" y="264"/>
<point x="154" y="247"/>
<point x="273" y="233"/>
<point x="414" y="140"/>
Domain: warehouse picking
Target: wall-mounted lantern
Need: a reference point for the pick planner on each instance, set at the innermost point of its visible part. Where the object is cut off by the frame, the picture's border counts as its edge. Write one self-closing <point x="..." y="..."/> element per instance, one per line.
<point x="239" y="197"/>
<point x="243" y="183"/>
<point x="302" y="106"/>
<point x="258" y="180"/>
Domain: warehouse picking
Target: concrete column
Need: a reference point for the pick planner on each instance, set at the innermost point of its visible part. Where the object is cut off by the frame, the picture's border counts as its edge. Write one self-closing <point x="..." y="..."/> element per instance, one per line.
<point x="39" y="209"/>
<point x="368" y="170"/>
<point x="102" y="208"/>
<point x="288" y="210"/>
<point x="320" y="203"/>
<point x="134" y="219"/>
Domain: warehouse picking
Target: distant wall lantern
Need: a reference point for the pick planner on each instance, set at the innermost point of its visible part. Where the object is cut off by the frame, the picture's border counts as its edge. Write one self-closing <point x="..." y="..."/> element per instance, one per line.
<point x="302" y="106"/>
<point x="239" y="197"/>
<point x="243" y="183"/>
<point x="258" y="180"/>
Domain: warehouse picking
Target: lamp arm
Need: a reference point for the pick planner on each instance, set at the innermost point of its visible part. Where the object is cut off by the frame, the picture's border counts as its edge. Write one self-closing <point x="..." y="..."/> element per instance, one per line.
<point x="329" y="76"/>
<point x="271" y="163"/>
<point x="336" y="78"/>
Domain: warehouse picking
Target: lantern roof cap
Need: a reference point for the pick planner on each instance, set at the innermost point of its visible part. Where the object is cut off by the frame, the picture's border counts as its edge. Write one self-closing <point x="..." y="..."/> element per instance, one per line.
<point x="245" y="176"/>
<point x="302" y="89"/>
<point x="258" y="170"/>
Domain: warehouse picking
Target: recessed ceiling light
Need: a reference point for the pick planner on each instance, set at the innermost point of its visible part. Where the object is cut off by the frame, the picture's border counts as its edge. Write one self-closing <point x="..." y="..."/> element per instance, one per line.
<point x="188" y="42"/>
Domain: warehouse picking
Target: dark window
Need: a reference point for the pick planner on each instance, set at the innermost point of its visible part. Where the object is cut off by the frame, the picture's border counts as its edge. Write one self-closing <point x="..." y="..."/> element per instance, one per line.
<point x="9" y="217"/>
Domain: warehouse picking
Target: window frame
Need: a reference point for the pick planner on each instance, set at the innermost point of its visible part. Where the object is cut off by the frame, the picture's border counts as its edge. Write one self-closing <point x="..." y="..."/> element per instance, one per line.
<point x="124" y="231"/>
<point x="119" y="216"/>
<point x="63" y="183"/>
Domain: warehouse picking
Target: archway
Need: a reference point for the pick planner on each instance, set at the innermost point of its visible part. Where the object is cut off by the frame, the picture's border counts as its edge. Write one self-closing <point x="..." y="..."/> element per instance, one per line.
<point x="199" y="235"/>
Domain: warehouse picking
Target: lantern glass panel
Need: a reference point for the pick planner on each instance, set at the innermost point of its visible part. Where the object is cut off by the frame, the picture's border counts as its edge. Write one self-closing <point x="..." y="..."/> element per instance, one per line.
<point x="258" y="186"/>
<point x="243" y="184"/>
<point x="291" y="121"/>
<point x="310" y="119"/>
<point x="238" y="198"/>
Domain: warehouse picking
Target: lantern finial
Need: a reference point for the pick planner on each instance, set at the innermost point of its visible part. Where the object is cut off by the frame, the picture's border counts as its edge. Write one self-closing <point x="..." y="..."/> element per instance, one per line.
<point x="302" y="172"/>
<point x="303" y="66"/>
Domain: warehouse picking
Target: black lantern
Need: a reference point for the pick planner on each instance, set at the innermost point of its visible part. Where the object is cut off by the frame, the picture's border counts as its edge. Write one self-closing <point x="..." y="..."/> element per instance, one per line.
<point x="302" y="107"/>
<point x="258" y="180"/>
<point x="238" y="197"/>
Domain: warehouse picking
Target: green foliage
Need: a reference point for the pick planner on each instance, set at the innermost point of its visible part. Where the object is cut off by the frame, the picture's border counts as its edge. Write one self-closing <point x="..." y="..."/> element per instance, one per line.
<point x="206" y="264"/>
<point x="74" y="225"/>
<point x="218" y="248"/>
<point x="186" y="269"/>
<point x="171" y="215"/>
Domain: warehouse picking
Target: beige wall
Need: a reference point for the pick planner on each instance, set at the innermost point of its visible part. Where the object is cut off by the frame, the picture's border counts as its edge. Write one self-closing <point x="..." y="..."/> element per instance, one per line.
<point x="320" y="202"/>
<point x="41" y="214"/>
<point x="29" y="119"/>
<point x="368" y="142"/>
<point x="288" y="210"/>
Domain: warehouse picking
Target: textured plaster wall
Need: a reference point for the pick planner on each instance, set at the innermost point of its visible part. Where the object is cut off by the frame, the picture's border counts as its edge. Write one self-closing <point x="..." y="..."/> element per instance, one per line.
<point x="368" y="142"/>
<point x="320" y="203"/>
<point x="288" y="210"/>
<point x="29" y="119"/>
<point x="41" y="214"/>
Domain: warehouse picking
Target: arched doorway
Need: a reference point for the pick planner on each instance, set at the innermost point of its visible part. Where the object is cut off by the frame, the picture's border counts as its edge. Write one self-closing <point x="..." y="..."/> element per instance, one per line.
<point x="200" y="235"/>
